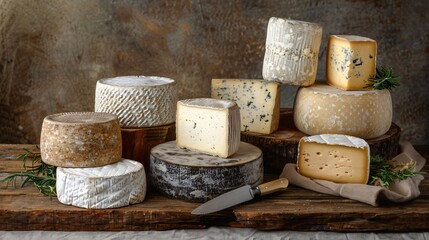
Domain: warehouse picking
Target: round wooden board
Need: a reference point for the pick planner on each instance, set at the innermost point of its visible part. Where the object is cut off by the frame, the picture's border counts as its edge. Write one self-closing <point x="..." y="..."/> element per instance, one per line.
<point x="281" y="146"/>
<point x="137" y="142"/>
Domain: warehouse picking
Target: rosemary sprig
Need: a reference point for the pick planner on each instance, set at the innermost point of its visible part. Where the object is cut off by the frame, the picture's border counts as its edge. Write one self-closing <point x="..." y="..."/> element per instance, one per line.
<point x="41" y="174"/>
<point x="383" y="79"/>
<point x="383" y="172"/>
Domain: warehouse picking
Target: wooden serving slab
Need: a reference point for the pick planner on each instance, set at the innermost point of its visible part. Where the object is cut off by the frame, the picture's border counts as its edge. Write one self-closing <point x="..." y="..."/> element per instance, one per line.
<point x="293" y="209"/>
<point x="281" y="147"/>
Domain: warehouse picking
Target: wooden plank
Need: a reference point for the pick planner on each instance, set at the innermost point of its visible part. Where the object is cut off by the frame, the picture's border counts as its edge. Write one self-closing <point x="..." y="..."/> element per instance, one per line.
<point x="293" y="209"/>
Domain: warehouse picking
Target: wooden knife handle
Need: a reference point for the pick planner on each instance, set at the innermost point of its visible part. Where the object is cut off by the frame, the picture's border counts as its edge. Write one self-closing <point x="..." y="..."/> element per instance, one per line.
<point x="273" y="186"/>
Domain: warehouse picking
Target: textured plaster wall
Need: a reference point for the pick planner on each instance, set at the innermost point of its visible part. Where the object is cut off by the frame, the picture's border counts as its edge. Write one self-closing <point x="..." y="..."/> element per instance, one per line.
<point x="53" y="52"/>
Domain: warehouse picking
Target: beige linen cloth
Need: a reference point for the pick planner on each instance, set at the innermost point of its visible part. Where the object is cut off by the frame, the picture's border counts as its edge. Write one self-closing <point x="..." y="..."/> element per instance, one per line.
<point x="401" y="191"/>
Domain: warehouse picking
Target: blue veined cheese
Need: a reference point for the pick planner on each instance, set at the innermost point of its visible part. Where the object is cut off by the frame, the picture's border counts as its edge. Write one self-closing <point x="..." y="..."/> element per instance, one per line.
<point x="193" y="176"/>
<point x="321" y="109"/>
<point x="207" y="125"/>
<point x="258" y="100"/>
<point x="334" y="157"/>
<point x="138" y="101"/>
<point x="111" y="186"/>
<point x="351" y="60"/>
<point x="292" y="51"/>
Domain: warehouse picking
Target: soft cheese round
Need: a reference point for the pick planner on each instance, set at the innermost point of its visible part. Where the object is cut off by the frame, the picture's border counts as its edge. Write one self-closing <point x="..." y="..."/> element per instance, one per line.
<point x="292" y="51"/>
<point x="111" y="186"/>
<point x="139" y="101"/>
<point x="323" y="109"/>
<point x="81" y="139"/>
<point x="194" y="176"/>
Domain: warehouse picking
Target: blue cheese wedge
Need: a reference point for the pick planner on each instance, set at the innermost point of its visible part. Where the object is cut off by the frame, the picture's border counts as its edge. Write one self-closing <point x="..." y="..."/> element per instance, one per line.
<point x="208" y="125"/>
<point x="334" y="157"/>
<point x="292" y="51"/>
<point x="193" y="176"/>
<point x="258" y="100"/>
<point x="351" y="60"/>
<point x="111" y="186"/>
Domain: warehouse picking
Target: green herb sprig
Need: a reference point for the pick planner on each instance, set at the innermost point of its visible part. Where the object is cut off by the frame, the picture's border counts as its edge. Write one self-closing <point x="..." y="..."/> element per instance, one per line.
<point x="41" y="174"/>
<point x="383" y="79"/>
<point x="383" y="172"/>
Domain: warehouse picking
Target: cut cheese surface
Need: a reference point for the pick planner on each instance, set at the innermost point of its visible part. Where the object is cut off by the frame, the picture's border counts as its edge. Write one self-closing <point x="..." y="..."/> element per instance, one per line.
<point x="194" y="176"/>
<point x="112" y="186"/>
<point x="258" y="100"/>
<point x="336" y="158"/>
<point x="321" y="109"/>
<point x="291" y="52"/>
<point x="351" y="61"/>
<point x="81" y="139"/>
<point x="208" y="125"/>
<point x="138" y="101"/>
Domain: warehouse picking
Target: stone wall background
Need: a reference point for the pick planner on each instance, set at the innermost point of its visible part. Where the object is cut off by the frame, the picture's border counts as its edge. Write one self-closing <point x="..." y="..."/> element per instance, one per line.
<point x="53" y="52"/>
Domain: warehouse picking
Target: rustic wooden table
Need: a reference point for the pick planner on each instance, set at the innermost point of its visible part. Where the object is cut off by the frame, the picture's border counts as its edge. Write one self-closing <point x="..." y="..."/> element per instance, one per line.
<point x="295" y="209"/>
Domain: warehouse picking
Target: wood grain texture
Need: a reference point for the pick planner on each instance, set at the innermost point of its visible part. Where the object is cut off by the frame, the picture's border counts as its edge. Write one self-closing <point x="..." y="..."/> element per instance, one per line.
<point x="293" y="209"/>
<point x="53" y="52"/>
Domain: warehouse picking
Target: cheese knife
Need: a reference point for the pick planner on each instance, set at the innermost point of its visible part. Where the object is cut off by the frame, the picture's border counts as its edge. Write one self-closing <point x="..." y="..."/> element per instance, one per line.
<point x="240" y="195"/>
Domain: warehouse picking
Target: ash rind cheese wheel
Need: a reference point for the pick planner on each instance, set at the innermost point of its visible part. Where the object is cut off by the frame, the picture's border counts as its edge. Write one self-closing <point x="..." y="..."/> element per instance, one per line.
<point x="138" y="101"/>
<point x="197" y="177"/>
<point x="81" y="139"/>
<point x="112" y="186"/>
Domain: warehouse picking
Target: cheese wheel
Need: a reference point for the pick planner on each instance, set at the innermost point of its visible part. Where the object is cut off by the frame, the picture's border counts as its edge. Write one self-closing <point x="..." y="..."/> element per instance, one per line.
<point x="111" y="186"/>
<point x="81" y="139"/>
<point x="292" y="51"/>
<point x="350" y="61"/>
<point x="258" y="100"/>
<point x="323" y="109"/>
<point x="193" y="176"/>
<point x="138" y="101"/>
<point x="207" y="125"/>
<point x="334" y="157"/>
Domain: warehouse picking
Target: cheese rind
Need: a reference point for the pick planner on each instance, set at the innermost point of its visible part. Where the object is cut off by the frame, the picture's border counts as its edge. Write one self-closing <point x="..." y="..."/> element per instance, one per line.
<point x="138" y="101"/>
<point x="292" y="51"/>
<point x="110" y="186"/>
<point x="81" y="139"/>
<point x="207" y="125"/>
<point x="198" y="177"/>
<point x="351" y="61"/>
<point x="333" y="157"/>
<point x="258" y="100"/>
<point x="321" y="109"/>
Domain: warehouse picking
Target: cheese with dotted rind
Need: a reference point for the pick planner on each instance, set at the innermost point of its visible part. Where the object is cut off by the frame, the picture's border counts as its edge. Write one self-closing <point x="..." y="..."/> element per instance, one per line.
<point x="112" y="186"/>
<point x="292" y="51"/>
<point x="81" y="139"/>
<point x="258" y="100"/>
<point x="323" y="109"/>
<point x="138" y="101"/>
<point x="336" y="158"/>
<point x="193" y="176"/>
<point x="351" y="61"/>
<point x="207" y="125"/>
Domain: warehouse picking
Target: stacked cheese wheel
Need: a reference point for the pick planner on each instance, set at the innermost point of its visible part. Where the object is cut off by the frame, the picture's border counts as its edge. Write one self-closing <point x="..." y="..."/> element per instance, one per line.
<point x="207" y="158"/>
<point x="146" y="107"/>
<point x="86" y="148"/>
<point x="344" y="110"/>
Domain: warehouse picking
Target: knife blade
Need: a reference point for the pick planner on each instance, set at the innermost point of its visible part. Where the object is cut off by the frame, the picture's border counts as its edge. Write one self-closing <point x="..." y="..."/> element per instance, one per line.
<point x="240" y="195"/>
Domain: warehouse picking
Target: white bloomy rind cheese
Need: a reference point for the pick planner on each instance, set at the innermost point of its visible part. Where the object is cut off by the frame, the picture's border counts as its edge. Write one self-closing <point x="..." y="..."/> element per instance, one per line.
<point x="323" y="109"/>
<point x="292" y="51"/>
<point x="258" y="100"/>
<point x="333" y="157"/>
<point x="81" y="139"/>
<point x="207" y="125"/>
<point x="194" y="176"/>
<point x="138" y="101"/>
<point x="111" y="186"/>
<point x="351" y="61"/>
